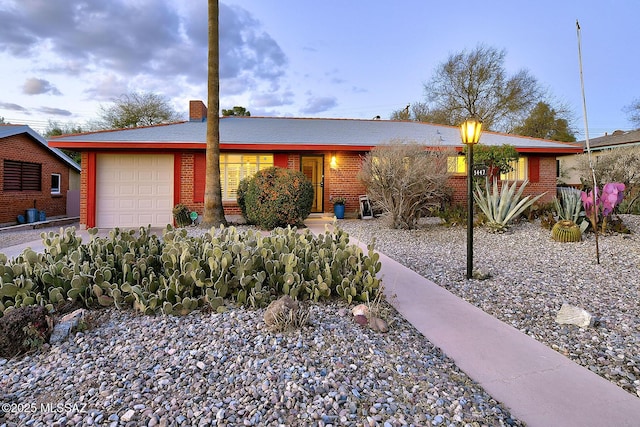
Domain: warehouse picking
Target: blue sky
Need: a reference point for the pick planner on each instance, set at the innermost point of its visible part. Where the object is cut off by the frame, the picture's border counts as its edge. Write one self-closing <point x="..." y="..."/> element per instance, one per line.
<point x="346" y="59"/>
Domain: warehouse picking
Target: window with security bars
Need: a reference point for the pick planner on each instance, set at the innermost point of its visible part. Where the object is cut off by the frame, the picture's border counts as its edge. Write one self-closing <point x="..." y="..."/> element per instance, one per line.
<point x="22" y="176"/>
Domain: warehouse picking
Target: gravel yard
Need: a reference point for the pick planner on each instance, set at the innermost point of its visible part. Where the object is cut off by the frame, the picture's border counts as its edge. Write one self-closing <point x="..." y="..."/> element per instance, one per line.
<point x="226" y="369"/>
<point x="531" y="276"/>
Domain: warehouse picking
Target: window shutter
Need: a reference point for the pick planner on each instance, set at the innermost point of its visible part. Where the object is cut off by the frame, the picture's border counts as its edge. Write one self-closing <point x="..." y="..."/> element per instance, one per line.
<point x="534" y="169"/>
<point x="12" y="174"/>
<point x="22" y="176"/>
<point x="281" y="160"/>
<point x="31" y="178"/>
<point x="199" y="177"/>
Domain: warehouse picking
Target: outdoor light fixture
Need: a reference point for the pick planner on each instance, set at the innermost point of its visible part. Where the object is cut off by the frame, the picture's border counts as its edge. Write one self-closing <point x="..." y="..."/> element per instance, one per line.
<point x="334" y="163"/>
<point x="470" y="131"/>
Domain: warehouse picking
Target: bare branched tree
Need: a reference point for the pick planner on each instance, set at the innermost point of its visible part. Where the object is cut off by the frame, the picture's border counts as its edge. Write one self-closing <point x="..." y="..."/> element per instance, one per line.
<point x="475" y="84"/>
<point x="617" y="165"/>
<point x="633" y="112"/>
<point x="403" y="178"/>
<point x="137" y="109"/>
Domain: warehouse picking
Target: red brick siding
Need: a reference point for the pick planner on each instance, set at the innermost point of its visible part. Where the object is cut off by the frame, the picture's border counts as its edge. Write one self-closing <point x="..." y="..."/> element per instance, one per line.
<point x="13" y="203"/>
<point x="339" y="182"/>
<point x="343" y="181"/>
<point x="547" y="181"/>
<point x="197" y="111"/>
<point x="542" y="178"/>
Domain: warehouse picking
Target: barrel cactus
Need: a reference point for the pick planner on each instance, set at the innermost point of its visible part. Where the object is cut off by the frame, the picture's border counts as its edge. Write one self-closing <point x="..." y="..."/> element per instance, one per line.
<point x="566" y="231"/>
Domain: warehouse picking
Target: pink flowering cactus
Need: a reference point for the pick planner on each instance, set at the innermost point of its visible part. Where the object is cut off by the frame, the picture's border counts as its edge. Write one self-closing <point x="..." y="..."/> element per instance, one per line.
<point x="588" y="202"/>
<point x="612" y="195"/>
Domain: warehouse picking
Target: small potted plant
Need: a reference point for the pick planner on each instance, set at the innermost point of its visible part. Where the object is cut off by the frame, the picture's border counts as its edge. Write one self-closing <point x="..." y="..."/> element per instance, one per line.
<point x="338" y="207"/>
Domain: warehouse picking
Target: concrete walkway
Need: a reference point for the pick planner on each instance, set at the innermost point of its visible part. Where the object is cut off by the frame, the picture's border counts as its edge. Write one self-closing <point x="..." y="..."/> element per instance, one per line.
<point x="539" y="385"/>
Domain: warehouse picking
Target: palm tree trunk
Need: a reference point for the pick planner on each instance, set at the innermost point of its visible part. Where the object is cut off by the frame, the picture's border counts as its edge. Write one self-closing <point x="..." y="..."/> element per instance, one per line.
<point x="213" y="210"/>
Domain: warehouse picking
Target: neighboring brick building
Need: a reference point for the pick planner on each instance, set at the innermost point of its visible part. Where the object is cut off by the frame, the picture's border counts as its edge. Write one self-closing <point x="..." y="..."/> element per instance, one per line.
<point x="134" y="177"/>
<point x="33" y="175"/>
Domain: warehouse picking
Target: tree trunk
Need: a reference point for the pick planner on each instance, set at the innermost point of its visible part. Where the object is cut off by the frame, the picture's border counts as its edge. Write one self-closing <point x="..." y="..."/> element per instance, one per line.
<point x="213" y="210"/>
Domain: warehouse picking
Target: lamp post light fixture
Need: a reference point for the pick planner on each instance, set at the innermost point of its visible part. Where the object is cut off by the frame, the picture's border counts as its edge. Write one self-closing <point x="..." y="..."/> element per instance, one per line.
<point x="470" y="131"/>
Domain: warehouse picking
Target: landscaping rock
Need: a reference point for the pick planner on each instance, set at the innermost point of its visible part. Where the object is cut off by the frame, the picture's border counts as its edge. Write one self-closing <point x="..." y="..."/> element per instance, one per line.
<point x="571" y="315"/>
<point x="67" y="323"/>
<point x="378" y="325"/>
<point x="361" y="310"/>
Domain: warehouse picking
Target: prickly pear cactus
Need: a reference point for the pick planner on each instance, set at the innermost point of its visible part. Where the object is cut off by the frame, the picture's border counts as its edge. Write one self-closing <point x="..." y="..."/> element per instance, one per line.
<point x="566" y="231"/>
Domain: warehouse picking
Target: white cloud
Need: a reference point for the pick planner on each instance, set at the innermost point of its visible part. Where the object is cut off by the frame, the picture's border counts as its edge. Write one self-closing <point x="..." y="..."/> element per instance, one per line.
<point x="33" y="86"/>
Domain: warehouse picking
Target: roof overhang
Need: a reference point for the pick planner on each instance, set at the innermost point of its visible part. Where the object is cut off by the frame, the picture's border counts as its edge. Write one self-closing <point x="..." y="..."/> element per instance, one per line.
<point x="178" y="146"/>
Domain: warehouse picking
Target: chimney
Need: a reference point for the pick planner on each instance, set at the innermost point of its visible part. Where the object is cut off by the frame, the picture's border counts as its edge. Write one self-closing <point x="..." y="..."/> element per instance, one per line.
<point x="197" y="111"/>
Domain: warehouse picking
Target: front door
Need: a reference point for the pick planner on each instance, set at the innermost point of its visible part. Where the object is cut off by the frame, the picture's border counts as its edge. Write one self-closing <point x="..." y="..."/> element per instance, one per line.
<point x="313" y="169"/>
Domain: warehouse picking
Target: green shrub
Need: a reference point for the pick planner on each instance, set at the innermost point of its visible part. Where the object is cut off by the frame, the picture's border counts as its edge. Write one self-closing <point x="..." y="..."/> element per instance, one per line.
<point x="277" y="197"/>
<point x="177" y="274"/>
<point x="241" y="196"/>
<point x="453" y="215"/>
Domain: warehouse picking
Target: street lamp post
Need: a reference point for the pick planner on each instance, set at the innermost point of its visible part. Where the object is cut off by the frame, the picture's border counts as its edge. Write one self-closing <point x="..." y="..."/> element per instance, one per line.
<point x="470" y="131"/>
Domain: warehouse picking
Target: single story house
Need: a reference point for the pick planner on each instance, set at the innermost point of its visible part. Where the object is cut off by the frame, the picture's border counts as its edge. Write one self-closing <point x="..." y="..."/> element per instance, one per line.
<point x="134" y="177"/>
<point x="617" y="139"/>
<point x="34" y="175"/>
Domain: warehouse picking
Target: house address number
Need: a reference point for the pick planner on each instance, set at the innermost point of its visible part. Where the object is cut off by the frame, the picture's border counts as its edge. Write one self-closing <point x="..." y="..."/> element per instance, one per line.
<point x="480" y="170"/>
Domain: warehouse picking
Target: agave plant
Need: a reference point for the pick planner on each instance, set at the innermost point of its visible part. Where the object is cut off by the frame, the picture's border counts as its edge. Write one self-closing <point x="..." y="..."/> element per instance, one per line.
<point x="501" y="206"/>
<point x="569" y="206"/>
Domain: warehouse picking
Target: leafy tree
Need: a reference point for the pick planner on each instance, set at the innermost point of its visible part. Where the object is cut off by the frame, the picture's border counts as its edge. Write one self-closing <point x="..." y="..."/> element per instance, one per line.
<point x="543" y="122"/>
<point x="55" y="128"/>
<point x="402" y="179"/>
<point x="236" y="111"/>
<point x="213" y="209"/>
<point x="633" y="111"/>
<point x="475" y="84"/>
<point x="2" y="121"/>
<point x="137" y="109"/>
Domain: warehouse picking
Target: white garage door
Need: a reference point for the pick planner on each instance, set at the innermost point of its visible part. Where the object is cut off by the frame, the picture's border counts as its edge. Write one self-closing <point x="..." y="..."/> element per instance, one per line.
<point x="134" y="190"/>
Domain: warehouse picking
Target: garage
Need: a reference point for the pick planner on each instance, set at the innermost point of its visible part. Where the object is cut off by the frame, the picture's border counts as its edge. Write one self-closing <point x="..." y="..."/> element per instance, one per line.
<point x="134" y="190"/>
